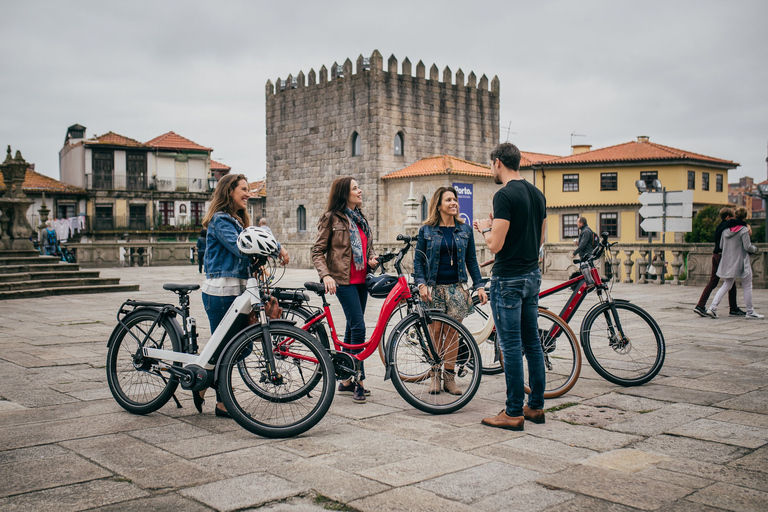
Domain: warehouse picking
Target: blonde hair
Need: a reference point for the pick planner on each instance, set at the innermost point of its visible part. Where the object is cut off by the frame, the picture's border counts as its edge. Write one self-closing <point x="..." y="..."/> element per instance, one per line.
<point x="221" y="201"/>
<point x="741" y="213"/>
<point x="433" y="219"/>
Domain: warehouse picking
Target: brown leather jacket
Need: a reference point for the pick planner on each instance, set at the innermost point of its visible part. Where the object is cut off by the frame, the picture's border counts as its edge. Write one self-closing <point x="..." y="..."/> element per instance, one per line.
<point x="332" y="252"/>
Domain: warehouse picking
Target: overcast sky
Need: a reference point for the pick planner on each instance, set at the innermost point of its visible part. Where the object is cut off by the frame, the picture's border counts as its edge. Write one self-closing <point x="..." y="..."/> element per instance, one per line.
<point x="691" y="75"/>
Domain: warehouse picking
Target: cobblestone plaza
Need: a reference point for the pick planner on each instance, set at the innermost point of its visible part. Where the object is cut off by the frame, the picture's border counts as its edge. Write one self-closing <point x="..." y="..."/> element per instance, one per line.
<point x="694" y="439"/>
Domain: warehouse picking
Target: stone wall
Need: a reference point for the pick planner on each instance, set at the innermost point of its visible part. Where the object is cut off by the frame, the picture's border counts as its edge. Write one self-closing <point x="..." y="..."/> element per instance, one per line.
<point x="111" y="254"/>
<point x="311" y="120"/>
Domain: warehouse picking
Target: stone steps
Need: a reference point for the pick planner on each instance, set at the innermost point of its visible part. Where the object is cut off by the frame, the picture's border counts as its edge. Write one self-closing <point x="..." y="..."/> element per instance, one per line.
<point x="59" y="283"/>
<point x="34" y="276"/>
<point x="26" y="274"/>
<point x="71" y="290"/>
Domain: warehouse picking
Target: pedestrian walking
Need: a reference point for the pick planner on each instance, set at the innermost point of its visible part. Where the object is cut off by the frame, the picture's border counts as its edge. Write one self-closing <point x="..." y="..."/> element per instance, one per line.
<point x="727" y="220"/>
<point x="263" y="224"/>
<point x="514" y="233"/>
<point x="735" y="263"/>
<point x="343" y="255"/>
<point x="445" y="254"/>
<point x="586" y="242"/>
<point x="201" y="250"/>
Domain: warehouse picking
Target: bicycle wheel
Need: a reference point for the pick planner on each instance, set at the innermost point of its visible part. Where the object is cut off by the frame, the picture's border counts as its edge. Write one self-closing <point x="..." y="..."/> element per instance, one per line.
<point x="300" y="316"/>
<point x="477" y="324"/>
<point x="408" y="354"/>
<point x="291" y="404"/>
<point x="135" y="382"/>
<point x="629" y="355"/>
<point x="562" y="357"/>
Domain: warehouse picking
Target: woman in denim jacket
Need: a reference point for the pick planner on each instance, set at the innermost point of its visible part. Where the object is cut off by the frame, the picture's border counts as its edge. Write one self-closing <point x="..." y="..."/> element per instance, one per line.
<point x="445" y="253"/>
<point x="226" y="268"/>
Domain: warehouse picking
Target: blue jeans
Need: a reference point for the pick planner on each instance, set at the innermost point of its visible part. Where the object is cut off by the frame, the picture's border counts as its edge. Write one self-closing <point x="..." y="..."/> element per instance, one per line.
<point x="216" y="307"/>
<point x="353" y="298"/>
<point x="514" y="303"/>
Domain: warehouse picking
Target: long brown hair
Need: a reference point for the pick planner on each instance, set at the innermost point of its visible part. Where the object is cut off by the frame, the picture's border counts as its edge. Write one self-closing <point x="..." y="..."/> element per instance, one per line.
<point x="221" y="201"/>
<point x="437" y="199"/>
<point x="339" y="195"/>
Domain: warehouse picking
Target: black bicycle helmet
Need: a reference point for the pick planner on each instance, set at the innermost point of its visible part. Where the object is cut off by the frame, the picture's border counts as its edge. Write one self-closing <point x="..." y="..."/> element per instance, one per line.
<point x="380" y="286"/>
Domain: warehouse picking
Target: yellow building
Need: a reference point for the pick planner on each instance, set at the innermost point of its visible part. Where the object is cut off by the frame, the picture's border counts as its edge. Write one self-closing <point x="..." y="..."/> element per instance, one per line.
<point x="600" y="186"/>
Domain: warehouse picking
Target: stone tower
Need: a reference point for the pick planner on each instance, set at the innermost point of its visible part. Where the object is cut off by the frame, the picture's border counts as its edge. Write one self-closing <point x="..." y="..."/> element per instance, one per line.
<point x="365" y="124"/>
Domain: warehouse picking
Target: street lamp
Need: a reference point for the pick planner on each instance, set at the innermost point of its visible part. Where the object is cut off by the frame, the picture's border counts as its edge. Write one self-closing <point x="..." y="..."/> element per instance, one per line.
<point x="212" y="183"/>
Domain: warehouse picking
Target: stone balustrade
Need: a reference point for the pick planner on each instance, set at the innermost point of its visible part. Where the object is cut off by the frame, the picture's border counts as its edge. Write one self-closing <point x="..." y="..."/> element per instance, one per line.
<point x="132" y="254"/>
<point x="689" y="264"/>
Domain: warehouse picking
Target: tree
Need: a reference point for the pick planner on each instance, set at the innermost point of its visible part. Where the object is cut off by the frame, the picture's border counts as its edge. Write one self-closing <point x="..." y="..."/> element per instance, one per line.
<point x="704" y="224"/>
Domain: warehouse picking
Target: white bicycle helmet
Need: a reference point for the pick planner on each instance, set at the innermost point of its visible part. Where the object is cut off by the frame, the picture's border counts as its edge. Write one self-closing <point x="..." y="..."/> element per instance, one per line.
<point x="253" y="240"/>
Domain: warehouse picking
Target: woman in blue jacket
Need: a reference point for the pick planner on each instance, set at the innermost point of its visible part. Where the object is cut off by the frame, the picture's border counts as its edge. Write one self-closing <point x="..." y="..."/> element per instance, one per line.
<point x="445" y="254"/>
<point x="226" y="268"/>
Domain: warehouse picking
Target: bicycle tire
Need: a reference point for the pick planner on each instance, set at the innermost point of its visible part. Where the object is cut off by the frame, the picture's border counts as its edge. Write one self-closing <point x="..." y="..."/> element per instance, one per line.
<point x="562" y="360"/>
<point x="488" y="347"/>
<point x="405" y="356"/>
<point x="627" y="362"/>
<point x="301" y="315"/>
<point x="286" y="408"/>
<point x="135" y="387"/>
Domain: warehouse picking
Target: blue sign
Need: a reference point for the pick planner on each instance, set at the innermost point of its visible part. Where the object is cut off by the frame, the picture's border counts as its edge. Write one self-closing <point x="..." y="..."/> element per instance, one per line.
<point x="465" y="201"/>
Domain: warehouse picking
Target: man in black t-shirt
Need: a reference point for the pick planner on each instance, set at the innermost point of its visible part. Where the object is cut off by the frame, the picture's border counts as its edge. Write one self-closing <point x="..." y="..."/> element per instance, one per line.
<point x="514" y="233"/>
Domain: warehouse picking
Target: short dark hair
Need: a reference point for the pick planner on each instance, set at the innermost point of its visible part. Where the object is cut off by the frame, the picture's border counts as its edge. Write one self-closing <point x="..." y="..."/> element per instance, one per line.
<point x="726" y="211"/>
<point x="583" y="221"/>
<point x="508" y="154"/>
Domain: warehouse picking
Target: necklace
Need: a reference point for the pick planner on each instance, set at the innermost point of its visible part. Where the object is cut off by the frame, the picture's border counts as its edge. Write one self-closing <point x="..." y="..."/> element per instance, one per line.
<point x="453" y="244"/>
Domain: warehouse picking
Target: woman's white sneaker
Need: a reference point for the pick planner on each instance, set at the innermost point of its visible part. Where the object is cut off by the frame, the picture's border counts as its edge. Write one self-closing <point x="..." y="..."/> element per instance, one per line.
<point x="712" y="313"/>
<point x="755" y="316"/>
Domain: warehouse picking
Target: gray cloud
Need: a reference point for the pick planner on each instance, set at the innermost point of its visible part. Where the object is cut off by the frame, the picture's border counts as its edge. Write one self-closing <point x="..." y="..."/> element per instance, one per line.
<point x="688" y="74"/>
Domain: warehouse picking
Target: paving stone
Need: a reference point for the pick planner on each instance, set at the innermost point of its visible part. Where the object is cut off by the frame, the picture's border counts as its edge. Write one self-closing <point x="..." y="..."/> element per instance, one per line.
<point x="476" y="483"/>
<point x="634" y="490"/>
<point x="169" y="433"/>
<point x="741" y="417"/>
<point x="550" y="448"/>
<point x="244" y="491"/>
<point x="581" y="503"/>
<point x="468" y="438"/>
<point x="717" y="472"/>
<point x="211" y="444"/>
<point x="711" y="385"/>
<point x="408" y="499"/>
<point x="406" y="425"/>
<point x="417" y="469"/>
<point x="671" y="477"/>
<point x="721" y="432"/>
<point x="7" y="405"/>
<point x="626" y="402"/>
<point x="591" y="416"/>
<point x="672" y="394"/>
<point x="732" y="497"/>
<point x="145" y="465"/>
<point x="586" y="437"/>
<point x="662" y="420"/>
<point x="30" y="470"/>
<point x="696" y="449"/>
<point x="625" y="461"/>
<point x="755" y="401"/>
<point x="755" y="461"/>
<point x="239" y="462"/>
<point x="70" y="498"/>
<point x="528" y="459"/>
<point x="527" y="496"/>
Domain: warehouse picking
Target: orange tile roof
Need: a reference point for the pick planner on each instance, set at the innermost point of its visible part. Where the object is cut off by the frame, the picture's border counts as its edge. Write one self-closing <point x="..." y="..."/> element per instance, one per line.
<point x="114" y="139"/>
<point x="441" y="164"/>
<point x="36" y="182"/>
<point x="172" y="140"/>
<point x="218" y="166"/>
<point x="529" y="158"/>
<point x="258" y="188"/>
<point x="637" y="151"/>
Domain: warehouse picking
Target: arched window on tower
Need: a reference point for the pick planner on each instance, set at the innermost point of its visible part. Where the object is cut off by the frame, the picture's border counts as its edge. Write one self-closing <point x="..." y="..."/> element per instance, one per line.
<point x="357" y="145"/>
<point x="424" y="209"/>
<point x="301" y="218"/>
<point x="399" y="146"/>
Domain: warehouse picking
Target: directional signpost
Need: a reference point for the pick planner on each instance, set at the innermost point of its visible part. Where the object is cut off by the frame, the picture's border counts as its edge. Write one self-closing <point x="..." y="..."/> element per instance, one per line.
<point x="667" y="211"/>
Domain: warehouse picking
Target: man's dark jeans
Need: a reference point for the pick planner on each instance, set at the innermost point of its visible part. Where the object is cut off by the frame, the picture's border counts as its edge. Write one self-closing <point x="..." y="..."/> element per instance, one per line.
<point x="712" y="284"/>
<point x="515" y="303"/>
<point x="353" y="298"/>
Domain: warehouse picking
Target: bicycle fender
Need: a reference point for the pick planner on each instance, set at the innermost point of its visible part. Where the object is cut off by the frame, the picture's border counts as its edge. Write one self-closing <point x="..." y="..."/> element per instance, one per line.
<point x="116" y="330"/>
<point x="279" y="321"/>
<point x="616" y="301"/>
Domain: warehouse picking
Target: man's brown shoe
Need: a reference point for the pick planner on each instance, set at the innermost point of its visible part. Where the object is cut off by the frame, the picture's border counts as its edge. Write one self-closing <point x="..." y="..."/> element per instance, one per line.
<point x="533" y="415"/>
<point x="502" y="420"/>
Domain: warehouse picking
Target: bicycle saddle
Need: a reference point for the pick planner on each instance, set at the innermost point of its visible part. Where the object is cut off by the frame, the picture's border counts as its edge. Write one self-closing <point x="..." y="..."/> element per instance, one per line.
<point x="180" y="288"/>
<point x="318" y="288"/>
<point x="290" y="295"/>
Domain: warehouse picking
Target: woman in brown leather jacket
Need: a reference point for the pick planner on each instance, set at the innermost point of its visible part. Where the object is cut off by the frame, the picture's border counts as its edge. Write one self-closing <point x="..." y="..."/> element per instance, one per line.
<point x="343" y="254"/>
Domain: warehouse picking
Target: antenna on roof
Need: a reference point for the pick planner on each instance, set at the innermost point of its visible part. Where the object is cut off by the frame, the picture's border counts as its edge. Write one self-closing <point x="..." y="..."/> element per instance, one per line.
<point x="509" y="131"/>
<point x="574" y="134"/>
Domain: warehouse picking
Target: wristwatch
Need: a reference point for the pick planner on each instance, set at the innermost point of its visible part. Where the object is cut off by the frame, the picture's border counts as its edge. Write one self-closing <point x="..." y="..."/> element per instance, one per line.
<point x="485" y="231"/>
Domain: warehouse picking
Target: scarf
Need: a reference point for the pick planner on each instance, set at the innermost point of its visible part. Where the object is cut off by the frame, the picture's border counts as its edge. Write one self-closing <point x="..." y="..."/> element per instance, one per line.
<point x="356" y="217"/>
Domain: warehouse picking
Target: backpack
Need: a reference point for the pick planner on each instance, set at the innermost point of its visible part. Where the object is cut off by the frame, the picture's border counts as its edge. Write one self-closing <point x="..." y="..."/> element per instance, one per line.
<point x="595" y="240"/>
<point x="51" y="236"/>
